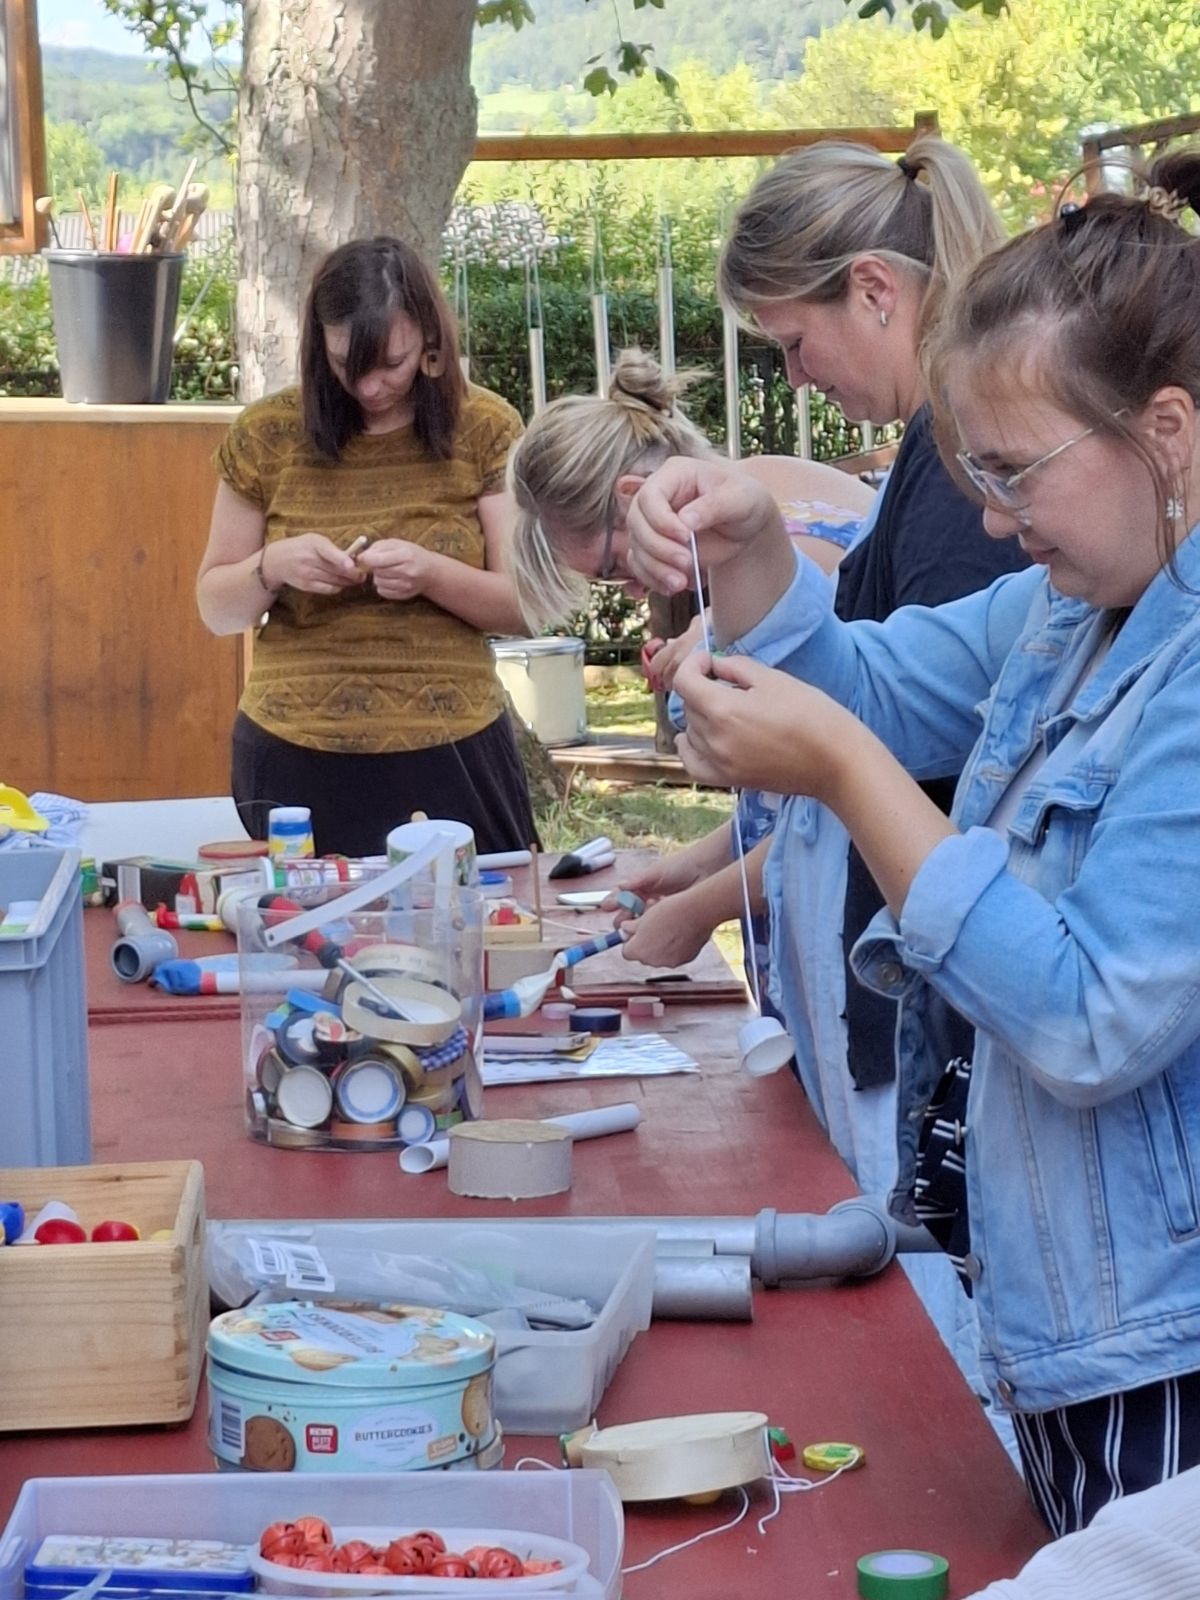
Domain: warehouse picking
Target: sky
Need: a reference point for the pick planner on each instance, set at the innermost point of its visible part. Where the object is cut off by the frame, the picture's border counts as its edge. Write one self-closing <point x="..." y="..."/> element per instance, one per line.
<point x="83" y="23"/>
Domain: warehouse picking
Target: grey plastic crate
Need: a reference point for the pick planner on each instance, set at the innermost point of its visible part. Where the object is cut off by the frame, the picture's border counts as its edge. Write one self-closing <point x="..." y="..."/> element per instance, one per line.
<point x="47" y="1118"/>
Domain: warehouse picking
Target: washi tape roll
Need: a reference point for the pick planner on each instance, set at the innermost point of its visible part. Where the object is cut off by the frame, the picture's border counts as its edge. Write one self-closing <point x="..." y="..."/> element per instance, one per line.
<point x="444" y="1055"/>
<point x="416" y="1124"/>
<point x="332" y="1038"/>
<point x="428" y="1015"/>
<point x="369" y="1090"/>
<point x="509" y="1160"/>
<point x="399" y="1055"/>
<point x="903" y="1575"/>
<point x="304" y="1097"/>
<point x="361" y="1132"/>
<point x="596" y="1019"/>
<point x="667" y="1458"/>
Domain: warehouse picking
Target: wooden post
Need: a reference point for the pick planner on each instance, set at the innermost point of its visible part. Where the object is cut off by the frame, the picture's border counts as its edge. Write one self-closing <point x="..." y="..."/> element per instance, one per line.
<point x="22" y="139"/>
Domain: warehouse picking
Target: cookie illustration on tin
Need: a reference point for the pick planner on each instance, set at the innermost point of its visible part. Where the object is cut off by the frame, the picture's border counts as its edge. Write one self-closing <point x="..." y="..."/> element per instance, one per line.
<point x="314" y="1359"/>
<point x="269" y="1447"/>
<point x="477" y="1405"/>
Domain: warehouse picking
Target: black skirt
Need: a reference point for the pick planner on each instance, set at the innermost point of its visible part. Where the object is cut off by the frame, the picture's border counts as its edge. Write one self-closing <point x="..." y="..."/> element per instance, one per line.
<point x="356" y="800"/>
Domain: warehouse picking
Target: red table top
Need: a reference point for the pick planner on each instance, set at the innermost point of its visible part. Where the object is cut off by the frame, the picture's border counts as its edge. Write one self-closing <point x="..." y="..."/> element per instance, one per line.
<point x="857" y="1362"/>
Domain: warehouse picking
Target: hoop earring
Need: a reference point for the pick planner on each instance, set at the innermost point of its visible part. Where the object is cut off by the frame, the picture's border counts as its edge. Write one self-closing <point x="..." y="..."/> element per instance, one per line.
<point x="883" y="319"/>
<point x="433" y="363"/>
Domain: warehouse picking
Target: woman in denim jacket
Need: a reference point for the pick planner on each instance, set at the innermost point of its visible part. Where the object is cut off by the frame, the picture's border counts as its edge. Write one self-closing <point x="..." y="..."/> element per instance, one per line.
<point x="1057" y="908"/>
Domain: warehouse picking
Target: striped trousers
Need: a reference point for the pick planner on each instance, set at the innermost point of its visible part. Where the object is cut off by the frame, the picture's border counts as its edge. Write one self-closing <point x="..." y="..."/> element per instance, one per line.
<point x="1080" y="1457"/>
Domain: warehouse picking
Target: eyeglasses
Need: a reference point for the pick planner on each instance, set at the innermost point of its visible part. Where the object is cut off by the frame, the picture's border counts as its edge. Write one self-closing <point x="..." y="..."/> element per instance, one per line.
<point x="1004" y="492"/>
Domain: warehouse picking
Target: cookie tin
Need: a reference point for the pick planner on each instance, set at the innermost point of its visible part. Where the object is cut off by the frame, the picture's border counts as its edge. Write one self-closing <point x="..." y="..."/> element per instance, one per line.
<point x="339" y="1386"/>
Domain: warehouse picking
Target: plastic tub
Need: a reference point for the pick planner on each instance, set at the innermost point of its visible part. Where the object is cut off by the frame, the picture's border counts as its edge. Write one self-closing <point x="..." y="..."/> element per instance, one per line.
<point x="47" y="1117"/>
<point x="316" y="1079"/>
<point x="579" y="1506"/>
<point x="547" y="1381"/>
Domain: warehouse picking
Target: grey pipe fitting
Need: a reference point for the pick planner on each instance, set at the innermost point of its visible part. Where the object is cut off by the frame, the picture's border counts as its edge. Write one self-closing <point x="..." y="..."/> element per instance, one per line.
<point x="141" y="946"/>
<point x="703" y="1288"/>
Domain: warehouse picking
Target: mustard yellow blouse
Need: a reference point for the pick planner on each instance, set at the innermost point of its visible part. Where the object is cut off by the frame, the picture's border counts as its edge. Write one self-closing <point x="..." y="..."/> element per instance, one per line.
<point x="352" y="672"/>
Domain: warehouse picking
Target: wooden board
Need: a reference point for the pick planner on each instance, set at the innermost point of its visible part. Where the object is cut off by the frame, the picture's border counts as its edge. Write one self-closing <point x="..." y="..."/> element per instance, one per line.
<point x="113" y="687"/>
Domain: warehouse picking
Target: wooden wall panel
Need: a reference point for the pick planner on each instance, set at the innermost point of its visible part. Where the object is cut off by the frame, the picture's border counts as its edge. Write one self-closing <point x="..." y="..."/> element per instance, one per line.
<point x="110" y="686"/>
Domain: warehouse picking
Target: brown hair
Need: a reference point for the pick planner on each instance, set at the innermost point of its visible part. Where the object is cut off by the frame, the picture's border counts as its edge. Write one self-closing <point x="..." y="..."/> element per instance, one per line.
<point x="364" y="285"/>
<point x="566" y="466"/>
<point x="1110" y="291"/>
<point x="797" y="232"/>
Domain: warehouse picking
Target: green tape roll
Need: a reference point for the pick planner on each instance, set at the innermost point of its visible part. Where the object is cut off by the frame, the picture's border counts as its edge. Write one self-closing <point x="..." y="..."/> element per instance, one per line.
<point x="903" y="1575"/>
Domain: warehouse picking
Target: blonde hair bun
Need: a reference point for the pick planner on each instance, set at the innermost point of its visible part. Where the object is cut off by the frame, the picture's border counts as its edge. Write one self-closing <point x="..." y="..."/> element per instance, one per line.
<point x="637" y="376"/>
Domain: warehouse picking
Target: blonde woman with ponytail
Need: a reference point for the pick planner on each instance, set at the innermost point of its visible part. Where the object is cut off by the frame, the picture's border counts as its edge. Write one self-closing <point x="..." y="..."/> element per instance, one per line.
<point x="573" y="476"/>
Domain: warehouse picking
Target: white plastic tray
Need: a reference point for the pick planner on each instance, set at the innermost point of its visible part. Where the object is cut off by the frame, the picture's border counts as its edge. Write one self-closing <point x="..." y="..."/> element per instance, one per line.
<point x="547" y="1382"/>
<point x="274" y="1579"/>
<point x="579" y="1506"/>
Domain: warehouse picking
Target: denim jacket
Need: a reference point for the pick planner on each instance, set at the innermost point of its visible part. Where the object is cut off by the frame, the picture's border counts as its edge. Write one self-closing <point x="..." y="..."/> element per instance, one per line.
<point x="1071" y="942"/>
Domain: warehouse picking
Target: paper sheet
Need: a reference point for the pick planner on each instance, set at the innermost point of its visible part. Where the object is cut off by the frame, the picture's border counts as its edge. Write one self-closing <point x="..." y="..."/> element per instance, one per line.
<point x="639" y="1055"/>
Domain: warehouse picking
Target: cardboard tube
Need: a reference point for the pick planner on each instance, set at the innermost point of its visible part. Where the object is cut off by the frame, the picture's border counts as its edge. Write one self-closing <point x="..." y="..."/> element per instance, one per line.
<point x="580" y="1124"/>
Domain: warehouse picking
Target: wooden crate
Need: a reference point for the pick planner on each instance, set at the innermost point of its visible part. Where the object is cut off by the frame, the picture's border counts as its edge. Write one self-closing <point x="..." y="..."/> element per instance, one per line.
<point x="105" y="1335"/>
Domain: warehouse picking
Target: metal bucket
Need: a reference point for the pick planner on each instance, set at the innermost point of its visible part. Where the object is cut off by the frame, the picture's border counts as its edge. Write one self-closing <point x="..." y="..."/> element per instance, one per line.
<point x="544" y="678"/>
<point x="114" y="322"/>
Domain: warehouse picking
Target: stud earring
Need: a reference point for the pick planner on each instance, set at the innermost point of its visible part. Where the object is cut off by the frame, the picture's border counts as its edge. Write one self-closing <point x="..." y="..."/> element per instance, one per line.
<point x="883" y="319"/>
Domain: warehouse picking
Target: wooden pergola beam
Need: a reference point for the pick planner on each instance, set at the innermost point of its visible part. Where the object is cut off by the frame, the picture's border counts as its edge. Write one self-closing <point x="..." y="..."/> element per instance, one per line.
<point x="660" y="146"/>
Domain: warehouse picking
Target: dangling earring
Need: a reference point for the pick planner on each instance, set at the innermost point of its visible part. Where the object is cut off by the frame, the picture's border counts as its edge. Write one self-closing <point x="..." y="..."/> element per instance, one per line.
<point x="1175" y="508"/>
<point x="883" y="319"/>
<point x="432" y="363"/>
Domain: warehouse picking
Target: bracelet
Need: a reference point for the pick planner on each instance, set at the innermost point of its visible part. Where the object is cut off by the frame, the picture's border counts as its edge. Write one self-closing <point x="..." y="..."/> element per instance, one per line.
<point x="261" y="575"/>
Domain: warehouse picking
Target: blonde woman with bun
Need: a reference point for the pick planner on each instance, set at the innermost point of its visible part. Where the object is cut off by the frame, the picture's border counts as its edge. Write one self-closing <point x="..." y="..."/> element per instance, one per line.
<point x="573" y="475"/>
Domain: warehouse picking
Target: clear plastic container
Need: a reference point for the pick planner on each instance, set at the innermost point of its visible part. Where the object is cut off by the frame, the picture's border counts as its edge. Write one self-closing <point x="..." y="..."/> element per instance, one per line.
<point x="580" y="1506"/>
<point x="364" y="1033"/>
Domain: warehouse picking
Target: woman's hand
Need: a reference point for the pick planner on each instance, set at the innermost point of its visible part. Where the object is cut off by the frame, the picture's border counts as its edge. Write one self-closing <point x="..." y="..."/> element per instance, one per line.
<point x="726" y="509"/>
<point x="754" y="727"/>
<point x="669" y="934"/>
<point x="401" y="570"/>
<point x="665" y="661"/>
<point x="666" y="876"/>
<point x="309" y="562"/>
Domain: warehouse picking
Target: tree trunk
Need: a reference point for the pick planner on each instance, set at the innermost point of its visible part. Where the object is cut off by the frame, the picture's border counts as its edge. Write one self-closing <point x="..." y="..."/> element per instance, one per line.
<point x="356" y="118"/>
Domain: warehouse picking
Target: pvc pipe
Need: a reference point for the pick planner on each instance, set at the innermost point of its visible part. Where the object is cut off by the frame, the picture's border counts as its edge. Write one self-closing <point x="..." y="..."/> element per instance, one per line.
<point x="141" y="946"/>
<point x="666" y="320"/>
<point x="600" y="339"/>
<point x="537" y="369"/>
<point x="594" y="1124"/>
<point x="707" y="1289"/>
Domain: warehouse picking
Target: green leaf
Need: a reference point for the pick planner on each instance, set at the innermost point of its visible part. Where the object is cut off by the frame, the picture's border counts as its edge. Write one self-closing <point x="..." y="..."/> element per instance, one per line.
<point x="600" y="81"/>
<point x="870" y="8"/>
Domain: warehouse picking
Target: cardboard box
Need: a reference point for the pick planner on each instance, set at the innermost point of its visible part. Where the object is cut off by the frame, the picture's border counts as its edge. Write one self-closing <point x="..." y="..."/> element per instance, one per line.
<point x="105" y="1335"/>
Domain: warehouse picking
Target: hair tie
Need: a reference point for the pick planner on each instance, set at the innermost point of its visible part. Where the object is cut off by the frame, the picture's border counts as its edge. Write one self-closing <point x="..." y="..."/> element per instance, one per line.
<point x="1166" y="203"/>
<point x="1071" y="216"/>
<point x="907" y="168"/>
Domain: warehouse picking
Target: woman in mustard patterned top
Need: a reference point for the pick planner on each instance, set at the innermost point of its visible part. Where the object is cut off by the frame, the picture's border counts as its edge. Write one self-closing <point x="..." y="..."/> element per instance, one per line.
<point x="372" y="692"/>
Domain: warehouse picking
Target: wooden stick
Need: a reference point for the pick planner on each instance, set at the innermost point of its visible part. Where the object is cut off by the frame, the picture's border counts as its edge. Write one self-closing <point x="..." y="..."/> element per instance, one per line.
<point x="175" y="216"/>
<point x="110" y="212"/>
<point x="87" y="219"/>
<point x="537" y="888"/>
<point x="184" y="237"/>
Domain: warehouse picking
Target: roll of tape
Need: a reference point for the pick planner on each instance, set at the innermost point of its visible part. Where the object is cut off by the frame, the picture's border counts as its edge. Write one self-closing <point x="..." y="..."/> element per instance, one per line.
<point x="509" y="1160"/>
<point x="428" y="1015"/>
<point x="286" y="1137"/>
<point x="294" y="1039"/>
<point x="596" y="1019"/>
<point x="361" y="1132"/>
<point x="903" y="1575"/>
